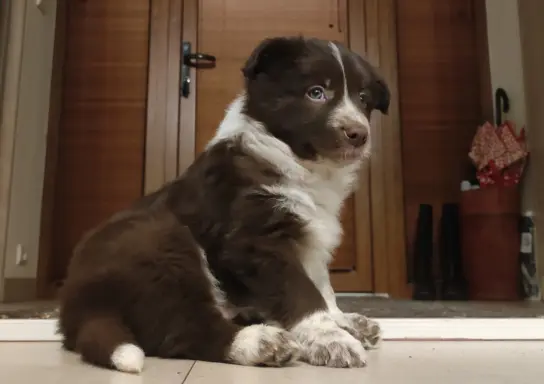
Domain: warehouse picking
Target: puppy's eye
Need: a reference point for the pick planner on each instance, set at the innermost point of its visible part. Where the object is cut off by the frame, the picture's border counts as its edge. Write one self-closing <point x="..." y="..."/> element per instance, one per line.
<point x="364" y="97"/>
<point x="316" y="93"/>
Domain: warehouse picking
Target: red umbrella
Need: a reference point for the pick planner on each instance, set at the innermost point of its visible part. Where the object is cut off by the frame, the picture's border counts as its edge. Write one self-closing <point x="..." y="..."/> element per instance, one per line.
<point x="499" y="154"/>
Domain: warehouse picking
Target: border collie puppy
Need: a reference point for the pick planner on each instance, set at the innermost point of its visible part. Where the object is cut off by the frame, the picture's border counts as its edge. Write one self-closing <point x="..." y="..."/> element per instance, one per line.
<point x="246" y="233"/>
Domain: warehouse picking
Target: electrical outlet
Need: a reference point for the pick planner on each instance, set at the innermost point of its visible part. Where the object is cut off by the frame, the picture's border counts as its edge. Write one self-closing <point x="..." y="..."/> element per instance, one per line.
<point x="21" y="257"/>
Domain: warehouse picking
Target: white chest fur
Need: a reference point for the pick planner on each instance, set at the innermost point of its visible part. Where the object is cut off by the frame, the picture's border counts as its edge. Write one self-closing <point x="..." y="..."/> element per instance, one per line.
<point x="317" y="198"/>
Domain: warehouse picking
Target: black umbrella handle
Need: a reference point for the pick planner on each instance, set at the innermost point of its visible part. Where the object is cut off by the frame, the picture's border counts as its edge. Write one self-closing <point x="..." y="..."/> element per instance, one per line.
<point x="502" y="105"/>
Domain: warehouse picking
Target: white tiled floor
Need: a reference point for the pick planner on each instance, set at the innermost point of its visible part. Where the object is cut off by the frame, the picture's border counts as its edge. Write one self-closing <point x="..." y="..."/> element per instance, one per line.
<point x="397" y="362"/>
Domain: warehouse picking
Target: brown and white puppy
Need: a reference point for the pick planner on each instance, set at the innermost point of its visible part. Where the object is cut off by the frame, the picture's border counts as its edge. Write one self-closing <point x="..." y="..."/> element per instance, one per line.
<point x="246" y="232"/>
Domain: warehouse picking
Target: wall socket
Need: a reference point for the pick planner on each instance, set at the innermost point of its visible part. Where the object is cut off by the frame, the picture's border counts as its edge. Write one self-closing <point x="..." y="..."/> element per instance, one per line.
<point x="21" y="257"/>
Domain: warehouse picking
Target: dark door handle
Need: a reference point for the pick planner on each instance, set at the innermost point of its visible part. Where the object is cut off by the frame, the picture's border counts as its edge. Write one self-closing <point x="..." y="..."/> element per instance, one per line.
<point x="192" y="60"/>
<point x="199" y="60"/>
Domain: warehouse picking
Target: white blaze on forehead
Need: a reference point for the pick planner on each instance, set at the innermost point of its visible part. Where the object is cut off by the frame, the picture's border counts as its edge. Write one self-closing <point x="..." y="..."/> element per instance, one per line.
<point x="346" y="112"/>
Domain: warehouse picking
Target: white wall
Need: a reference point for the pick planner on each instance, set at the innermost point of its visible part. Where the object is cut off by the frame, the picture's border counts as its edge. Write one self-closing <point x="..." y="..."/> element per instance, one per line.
<point x="507" y="71"/>
<point x="24" y="126"/>
<point x="506" y="67"/>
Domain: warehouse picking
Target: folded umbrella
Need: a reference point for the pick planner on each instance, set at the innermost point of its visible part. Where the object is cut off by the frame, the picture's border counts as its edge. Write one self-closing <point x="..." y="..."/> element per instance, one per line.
<point x="499" y="154"/>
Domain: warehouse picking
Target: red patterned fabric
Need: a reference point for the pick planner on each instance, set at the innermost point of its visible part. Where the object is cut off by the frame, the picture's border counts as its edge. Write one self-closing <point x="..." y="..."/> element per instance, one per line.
<point x="486" y="146"/>
<point x="499" y="154"/>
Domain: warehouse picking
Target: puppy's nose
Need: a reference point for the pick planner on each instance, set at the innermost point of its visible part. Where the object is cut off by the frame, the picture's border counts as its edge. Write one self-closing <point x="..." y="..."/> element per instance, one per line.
<point x="356" y="136"/>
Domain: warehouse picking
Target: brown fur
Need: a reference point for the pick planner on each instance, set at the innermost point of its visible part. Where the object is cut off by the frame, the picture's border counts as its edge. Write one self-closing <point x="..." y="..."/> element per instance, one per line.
<point x="139" y="277"/>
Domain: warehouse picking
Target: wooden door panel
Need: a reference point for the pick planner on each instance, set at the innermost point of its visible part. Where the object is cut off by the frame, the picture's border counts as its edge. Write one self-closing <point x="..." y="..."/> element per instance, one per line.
<point x="230" y="30"/>
<point x="101" y="134"/>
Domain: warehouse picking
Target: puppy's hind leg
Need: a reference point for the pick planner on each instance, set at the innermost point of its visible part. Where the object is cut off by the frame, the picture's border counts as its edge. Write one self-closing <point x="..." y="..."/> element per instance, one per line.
<point x="199" y="330"/>
<point x="216" y="339"/>
<point x="194" y="320"/>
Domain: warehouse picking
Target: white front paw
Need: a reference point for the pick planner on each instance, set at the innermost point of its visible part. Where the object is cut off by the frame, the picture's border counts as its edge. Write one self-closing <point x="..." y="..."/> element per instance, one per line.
<point x="367" y="331"/>
<point x="337" y="349"/>
<point x="324" y="343"/>
<point x="261" y="344"/>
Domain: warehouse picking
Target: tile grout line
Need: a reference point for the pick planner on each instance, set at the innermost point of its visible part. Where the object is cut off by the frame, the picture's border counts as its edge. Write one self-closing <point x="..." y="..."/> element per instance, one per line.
<point x="188" y="372"/>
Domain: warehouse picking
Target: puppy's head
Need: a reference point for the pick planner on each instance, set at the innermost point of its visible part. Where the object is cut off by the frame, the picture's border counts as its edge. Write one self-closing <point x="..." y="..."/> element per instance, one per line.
<point x="314" y="95"/>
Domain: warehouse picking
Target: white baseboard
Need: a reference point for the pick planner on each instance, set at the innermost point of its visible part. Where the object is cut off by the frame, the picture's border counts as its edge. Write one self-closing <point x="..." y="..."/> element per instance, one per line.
<point x="28" y="330"/>
<point x="463" y="329"/>
<point x="393" y="329"/>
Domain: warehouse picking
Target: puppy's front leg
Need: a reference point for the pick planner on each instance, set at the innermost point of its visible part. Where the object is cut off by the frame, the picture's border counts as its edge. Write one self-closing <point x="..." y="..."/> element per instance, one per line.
<point x="273" y="282"/>
<point x="293" y="301"/>
<point x="367" y="331"/>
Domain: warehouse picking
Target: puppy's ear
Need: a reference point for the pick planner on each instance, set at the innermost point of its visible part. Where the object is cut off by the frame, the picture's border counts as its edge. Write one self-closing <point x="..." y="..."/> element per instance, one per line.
<point x="383" y="96"/>
<point x="274" y="53"/>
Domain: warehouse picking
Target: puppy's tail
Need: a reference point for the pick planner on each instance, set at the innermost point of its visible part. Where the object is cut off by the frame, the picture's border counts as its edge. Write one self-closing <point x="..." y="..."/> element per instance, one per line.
<point x="104" y="340"/>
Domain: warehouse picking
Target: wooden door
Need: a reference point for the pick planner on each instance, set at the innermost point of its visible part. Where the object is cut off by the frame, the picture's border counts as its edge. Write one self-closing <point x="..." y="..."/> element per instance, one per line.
<point x="230" y="30"/>
<point x="95" y="158"/>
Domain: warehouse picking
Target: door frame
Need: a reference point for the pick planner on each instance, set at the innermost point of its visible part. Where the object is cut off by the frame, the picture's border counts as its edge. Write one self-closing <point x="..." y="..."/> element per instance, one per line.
<point x="10" y="64"/>
<point x="44" y="287"/>
<point x="386" y="180"/>
<point x="161" y="149"/>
